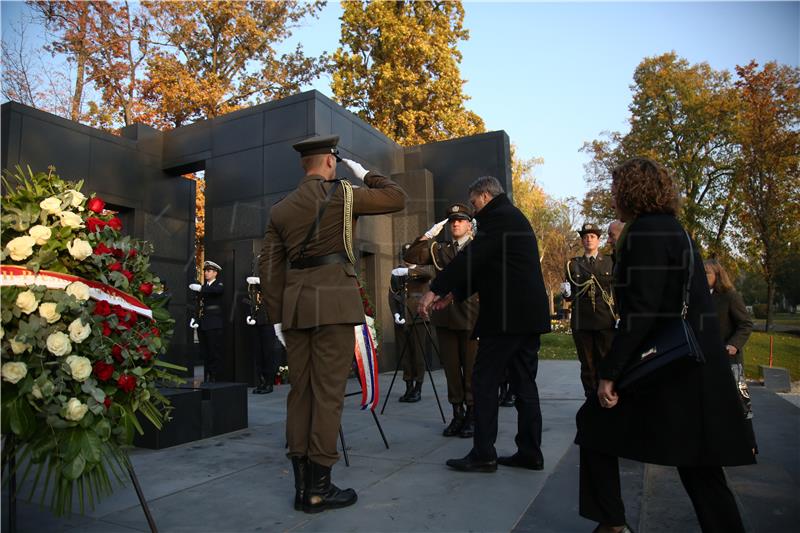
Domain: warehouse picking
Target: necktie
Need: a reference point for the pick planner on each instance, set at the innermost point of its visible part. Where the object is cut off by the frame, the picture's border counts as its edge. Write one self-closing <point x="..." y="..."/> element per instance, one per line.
<point x="591" y="261"/>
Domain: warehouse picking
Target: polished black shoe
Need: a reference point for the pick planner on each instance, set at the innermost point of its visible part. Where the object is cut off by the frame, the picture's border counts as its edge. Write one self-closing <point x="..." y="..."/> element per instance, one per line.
<point x="268" y="388"/>
<point x="508" y="400"/>
<point x="471" y="464"/>
<point x="321" y="494"/>
<point x="457" y="423"/>
<point x="416" y="393"/>
<point x="409" y="391"/>
<point x="300" y="467"/>
<point x="519" y="462"/>
<point x="468" y="429"/>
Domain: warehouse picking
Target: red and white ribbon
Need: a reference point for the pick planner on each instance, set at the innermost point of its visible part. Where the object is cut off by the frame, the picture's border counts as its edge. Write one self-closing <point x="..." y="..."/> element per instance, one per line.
<point x="15" y="276"/>
<point x="366" y="352"/>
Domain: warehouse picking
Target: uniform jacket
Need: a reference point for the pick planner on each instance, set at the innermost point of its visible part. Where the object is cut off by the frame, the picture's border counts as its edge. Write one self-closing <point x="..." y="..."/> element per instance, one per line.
<point x="584" y="316"/>
<point x="406" y="291"/>
<point x="689" y="419"/>
<point x="211" y="305"/>
<point x="254" y="302"/>
<point x="501" y="264"/>
<point x="326" y="294"/>
<point x="461" y="315"/>
<point x="735" y="324"/>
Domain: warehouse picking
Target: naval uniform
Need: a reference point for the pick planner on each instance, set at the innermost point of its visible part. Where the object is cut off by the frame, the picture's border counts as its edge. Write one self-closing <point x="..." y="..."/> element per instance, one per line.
<point x="210" y="331"/>
<point x="263" y="339"/>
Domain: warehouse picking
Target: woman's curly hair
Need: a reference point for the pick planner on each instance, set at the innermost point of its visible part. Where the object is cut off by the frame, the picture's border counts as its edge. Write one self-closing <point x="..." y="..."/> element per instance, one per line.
<point x="640" y="185"/>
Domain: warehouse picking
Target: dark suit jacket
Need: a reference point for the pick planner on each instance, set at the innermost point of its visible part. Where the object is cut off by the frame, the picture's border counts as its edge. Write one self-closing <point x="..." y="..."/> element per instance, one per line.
<point x="692" y="418"/>
<point x="735" y="324"/>
<point x="584" y="316"/>
<point x="501" y="264"/>
<point x="211" y="306"/>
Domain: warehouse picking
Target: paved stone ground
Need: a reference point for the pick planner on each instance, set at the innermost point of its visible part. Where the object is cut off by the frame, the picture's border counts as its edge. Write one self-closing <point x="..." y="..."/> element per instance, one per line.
<point x="243" y="482"/>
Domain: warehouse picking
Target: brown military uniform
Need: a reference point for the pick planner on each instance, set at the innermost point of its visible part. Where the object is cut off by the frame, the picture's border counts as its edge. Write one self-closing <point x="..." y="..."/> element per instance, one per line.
<point x="454" y="323"/>
<point x="319" y="305"/>
<point x="411" y="337"/>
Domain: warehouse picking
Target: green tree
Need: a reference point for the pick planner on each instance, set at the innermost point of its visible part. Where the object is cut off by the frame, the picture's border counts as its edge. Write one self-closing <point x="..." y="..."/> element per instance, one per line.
<point x="768" y="166"/>
<point x="397" y="68"/>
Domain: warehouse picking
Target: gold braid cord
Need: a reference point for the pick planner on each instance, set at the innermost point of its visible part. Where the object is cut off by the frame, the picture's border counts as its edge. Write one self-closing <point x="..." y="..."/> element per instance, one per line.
<point x="591" y="285"/>
<point x="433" y="257"/>
<point x="347" y="223"/>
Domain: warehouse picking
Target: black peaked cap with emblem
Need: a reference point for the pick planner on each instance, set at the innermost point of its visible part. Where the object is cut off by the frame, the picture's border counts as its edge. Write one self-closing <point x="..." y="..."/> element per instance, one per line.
<point x="319" y="144"/>
<point x="590" y="228"/>
<point x="459" y="212"/>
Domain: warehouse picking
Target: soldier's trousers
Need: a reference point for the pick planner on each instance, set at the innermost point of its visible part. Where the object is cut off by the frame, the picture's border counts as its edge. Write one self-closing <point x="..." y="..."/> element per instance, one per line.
<point x="457" y="352"/>
<point x="319" y="363"/>
<point x="264" y="352"/>
<point x="211" y="350"/>
<point x="410" y="340"/>
<point x="592" y="346"/>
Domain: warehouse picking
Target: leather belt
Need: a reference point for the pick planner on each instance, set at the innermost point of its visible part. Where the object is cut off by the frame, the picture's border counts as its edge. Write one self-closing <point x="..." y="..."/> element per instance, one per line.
<point x="207" y="308"/>
<point x="310" y="262"/>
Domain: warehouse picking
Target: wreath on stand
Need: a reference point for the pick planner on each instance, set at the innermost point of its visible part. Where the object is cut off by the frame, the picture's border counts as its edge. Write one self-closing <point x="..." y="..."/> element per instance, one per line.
<point x="84" y="322"/>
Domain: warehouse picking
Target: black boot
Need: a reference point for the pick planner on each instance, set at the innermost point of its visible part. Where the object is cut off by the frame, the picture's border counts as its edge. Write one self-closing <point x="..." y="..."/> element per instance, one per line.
<point x="300" y="467"/>
<point x="267" y="388"/>
<point x="259" y="386"/>
<point x="468" y="429"/>
<point x="457" y="423"/>
<point x="508" y="399"/>
<point x="321" y="494"/>
<point x="409" y="391"/>
<point x="416" y="394"/>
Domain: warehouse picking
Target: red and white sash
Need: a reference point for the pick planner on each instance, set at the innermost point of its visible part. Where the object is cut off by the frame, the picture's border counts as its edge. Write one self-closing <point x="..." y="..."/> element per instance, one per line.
<point x="366" y="351"/>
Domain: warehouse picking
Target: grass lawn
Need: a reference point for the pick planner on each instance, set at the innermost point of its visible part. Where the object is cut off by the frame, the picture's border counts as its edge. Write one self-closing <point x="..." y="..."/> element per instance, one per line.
<point x="557" y="345"/>
<point x="786" y="353"/>
<point x="783" y="319"/>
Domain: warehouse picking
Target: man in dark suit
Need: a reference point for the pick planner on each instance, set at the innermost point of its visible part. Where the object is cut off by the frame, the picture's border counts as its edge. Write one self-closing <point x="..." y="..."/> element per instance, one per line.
<point x="309" y="285"/>
<point x="502" y="266"/>
<point x="210" y="322"/>
<point x="588" y="287"/>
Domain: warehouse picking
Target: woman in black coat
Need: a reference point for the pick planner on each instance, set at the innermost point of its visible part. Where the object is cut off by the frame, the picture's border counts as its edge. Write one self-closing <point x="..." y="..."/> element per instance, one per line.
<point x="692" y="419"/>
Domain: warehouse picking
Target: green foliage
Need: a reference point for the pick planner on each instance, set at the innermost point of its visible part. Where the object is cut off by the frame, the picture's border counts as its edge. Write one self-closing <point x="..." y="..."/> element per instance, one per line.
<point x="786" y="353"/>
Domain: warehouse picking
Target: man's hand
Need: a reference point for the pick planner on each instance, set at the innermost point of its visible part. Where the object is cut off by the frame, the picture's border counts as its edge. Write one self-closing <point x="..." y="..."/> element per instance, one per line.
<point x="425" y="303"/>
<point x="195" y="287"/>
<point x="193" y="324"/>
<point x="356" y="168"/>
<point x="250" y="321"/>
<point x="566" y="289"/>
<point x="606" y="393"/>
<point x="253" y="280"/>
<point x="435" y="230"/>
<point x="441" y="303"/>
<point x="732" y="350"/>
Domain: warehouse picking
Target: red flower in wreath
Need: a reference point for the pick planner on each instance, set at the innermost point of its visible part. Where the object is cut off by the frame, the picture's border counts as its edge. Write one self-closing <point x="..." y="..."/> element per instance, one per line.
<point x="128" y="275"/>
<point x="126" y="383"/>
<point x="94" y="224"/>
<point x="132" y="252"/>
<point x="116" y="352"/>
<point x="101" y="249"/>
<point x="95" y="205"/>
<point x="103" y="370"/>
<point x="146" y="288"/>
<point x="106" y="329"/>
<point x="115" y="223"/>
<point x="115" y="266"/>
<point x="116" y="252"/>
<point x="101" y="308"/>
<point x="146" y="354"/>
<point x="107" y="402"/>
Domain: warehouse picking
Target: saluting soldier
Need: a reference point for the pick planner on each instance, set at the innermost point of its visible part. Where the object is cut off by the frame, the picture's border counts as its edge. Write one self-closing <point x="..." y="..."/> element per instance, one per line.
<point x="406" y="287"/>
<point x="209" y="319"/>
<point x="309" y="285"/>
<point x="588" y="287"/>
<point x="454" y="324"/>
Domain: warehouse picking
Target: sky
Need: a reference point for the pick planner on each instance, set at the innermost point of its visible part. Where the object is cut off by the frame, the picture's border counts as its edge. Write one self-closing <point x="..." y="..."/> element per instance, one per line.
<point x="556" y="75"/>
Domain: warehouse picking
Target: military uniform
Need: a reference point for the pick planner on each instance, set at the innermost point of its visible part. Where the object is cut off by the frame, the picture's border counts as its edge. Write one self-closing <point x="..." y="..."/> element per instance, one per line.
<point x="315" y="295"/>
<point x="210" y="331"/>
<point x="412" y="337"/>
<point x="593" y="316"/>
<point x="263" y="340"/>
<point x="454" y="325"/>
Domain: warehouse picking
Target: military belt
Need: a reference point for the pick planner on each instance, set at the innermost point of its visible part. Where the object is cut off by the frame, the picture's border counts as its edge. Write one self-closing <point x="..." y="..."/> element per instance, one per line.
<point x="207" y="308"/>
<point x="310" y="262"/>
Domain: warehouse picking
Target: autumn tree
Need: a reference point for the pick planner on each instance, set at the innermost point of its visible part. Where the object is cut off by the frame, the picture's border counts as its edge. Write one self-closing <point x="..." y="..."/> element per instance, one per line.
<point x="768" y="166"/>
<point x="682" y="116"/>
<point x="215" y="57"/>
<point x="397" y="68"/>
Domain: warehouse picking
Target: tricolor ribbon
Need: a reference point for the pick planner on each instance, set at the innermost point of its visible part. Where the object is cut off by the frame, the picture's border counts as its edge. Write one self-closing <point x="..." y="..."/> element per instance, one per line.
<point x="15" y="276"/>
<point x="366" y="352"/>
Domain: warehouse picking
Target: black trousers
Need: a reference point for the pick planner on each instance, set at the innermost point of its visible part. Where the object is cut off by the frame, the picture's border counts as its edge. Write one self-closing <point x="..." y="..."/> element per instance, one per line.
<point x="600" y="498"/>
<point x="264" y="353"/>
<point x="211" y="349"/>
<point x="592" y="346"/>
<point x="520" y="355"/>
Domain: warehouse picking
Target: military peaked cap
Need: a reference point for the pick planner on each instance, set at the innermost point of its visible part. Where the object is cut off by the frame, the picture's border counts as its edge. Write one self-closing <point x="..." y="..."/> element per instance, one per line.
<point x="590" y="228"/>
<point x="459" y="212"/>
<point x="212" y="265"/>
<point x="319" y="144"/>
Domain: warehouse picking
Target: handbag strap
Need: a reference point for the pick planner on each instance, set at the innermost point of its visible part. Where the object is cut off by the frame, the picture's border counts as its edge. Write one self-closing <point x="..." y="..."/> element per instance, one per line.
<point x="315" y="225"/>
<point x="688" y="285"/>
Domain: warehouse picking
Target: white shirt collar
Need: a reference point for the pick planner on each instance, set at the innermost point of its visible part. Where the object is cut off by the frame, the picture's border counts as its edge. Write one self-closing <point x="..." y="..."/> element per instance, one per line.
<point x="587" y="256"/>
<point x="463" y="241"/>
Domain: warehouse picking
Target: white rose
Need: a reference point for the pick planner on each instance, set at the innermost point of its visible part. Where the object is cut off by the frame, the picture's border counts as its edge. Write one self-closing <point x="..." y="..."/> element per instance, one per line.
<point x="78" y="290"/>
<point x="19" y="347"/>
<point x="48" y="311"/>
<point x="58" y="344"/>
<point x="79" y="367"/>
<point x="27" y="302"/>
<point x="76" y="197"/>
<point x="37" y="392"/>
<point x="78" y="331"/>
<point x="79" y="249"/>
<point x="71" y="220"/>
<point x="75" y="409"/>
<point x="13" y="371"/>
<point x="21" y="247"/>
<point x="51" y="206"/>
<point x="41" y="233"/>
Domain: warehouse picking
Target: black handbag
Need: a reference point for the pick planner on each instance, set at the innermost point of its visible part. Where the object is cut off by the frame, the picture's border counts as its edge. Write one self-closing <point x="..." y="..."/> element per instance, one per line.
<point x="671" y="349"/>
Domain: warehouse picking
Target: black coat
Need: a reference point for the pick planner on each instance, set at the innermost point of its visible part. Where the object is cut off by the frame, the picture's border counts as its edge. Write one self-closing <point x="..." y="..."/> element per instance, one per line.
<point x="735" y="324"/>
<point x="211" y="306"/>
<point x="689" y="419"/>
<point x="501" y="264"/>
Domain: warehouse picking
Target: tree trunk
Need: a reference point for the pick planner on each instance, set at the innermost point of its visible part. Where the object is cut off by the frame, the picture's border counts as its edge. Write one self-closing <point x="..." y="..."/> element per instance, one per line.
<point x="81" y="58"/>
<point x="770" y="297"/>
